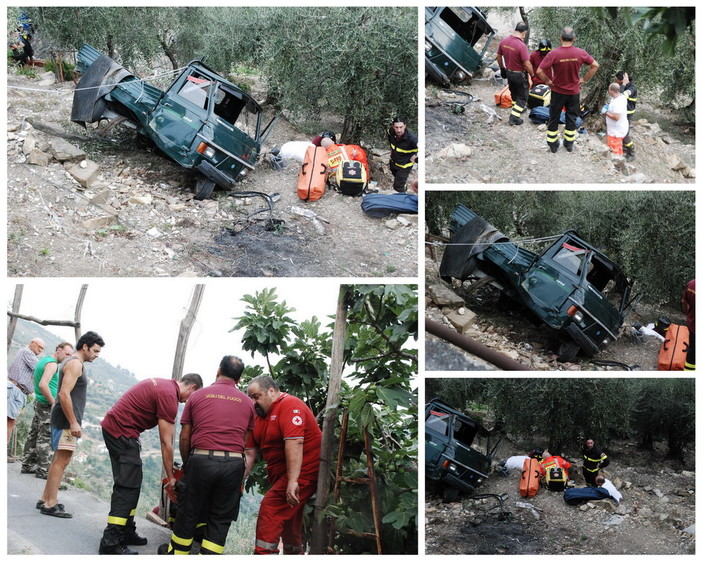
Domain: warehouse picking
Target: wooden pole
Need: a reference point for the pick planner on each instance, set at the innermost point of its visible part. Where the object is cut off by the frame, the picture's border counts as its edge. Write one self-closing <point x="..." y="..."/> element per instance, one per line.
<point x="12" y="322"/>
<point x="186" y="325"/>
<point x="79" y="310"/>
<point x="330" y="414"/>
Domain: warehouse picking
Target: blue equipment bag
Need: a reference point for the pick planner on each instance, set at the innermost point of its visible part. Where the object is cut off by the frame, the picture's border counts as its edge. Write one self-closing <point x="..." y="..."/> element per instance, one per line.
<point x="381" y="205"/>
<point x="575" y="496"/>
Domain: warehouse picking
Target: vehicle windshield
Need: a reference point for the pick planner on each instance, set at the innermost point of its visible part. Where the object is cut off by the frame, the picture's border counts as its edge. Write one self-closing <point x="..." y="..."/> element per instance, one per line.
<point x="572" y="258"/>
<point x="469" y="25"/>
<point x="195" y="89"/>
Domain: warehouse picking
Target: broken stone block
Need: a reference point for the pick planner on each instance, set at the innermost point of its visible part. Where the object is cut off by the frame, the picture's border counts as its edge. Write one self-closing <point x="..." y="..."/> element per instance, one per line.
<point x="29" y="144"/>
<point x="443" y="296"/>
<point x="63" y="151"/>
<point x="38" y="158"/>
<point x="85" y="176"/>
<point x="675" y="162"/>
<point x="455" y="150"/>
<point x="462" y="322"/>
<point x="99" y="222"/>
<point x="141" y="200"/>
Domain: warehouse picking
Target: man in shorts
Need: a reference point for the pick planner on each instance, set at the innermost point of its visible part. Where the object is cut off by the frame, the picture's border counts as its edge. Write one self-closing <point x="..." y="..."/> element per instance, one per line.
<point x="67" y="417"/>
<point x="20" y="376"/>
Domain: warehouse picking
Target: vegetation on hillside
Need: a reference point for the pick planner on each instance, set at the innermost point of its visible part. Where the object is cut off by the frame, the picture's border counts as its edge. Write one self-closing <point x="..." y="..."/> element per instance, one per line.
<point x="565" y="411"/>
<point x="356" y="62"/>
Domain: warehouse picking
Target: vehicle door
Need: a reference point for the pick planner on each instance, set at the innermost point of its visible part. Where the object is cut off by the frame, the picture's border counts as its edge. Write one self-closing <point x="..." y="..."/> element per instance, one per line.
<point x="181" y="115"/>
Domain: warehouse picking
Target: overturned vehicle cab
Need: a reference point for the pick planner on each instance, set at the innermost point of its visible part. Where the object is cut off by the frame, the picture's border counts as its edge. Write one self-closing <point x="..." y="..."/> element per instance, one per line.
<point x="451" y="43"/>
<point x="572" y="287"/>
<point x="451" y="460"/>
<point x="201" y="121"/>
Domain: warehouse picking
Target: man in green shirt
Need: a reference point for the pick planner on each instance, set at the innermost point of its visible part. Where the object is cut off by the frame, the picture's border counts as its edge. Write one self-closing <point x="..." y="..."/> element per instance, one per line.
<point x="37" y="448"/>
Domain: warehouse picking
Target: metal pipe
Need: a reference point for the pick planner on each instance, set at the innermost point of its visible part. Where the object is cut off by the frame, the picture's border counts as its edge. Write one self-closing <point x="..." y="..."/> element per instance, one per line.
<point x="471" y="346"/>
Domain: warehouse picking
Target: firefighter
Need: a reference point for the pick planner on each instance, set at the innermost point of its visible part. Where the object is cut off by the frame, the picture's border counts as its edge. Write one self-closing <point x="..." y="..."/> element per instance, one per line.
<point x="403" y="153"/>
<point x="631" y="93"/>
<point x="513" y="58"/>
<point x="287" y="433"/>
<point x="593" y="460"/>
<point x="215" y="424"/>
<point x="537" y="56"/>
<point x="149" y="403"/>
<point x="563" y="65"/>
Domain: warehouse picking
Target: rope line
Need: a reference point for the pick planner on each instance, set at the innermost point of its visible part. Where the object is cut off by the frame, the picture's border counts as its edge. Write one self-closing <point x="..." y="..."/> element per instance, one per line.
<point x="63" y="91"/>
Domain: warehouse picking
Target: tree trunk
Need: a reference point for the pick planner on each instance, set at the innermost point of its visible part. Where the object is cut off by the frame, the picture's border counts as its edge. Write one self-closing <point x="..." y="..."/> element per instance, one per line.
<point x="330" y="414"/>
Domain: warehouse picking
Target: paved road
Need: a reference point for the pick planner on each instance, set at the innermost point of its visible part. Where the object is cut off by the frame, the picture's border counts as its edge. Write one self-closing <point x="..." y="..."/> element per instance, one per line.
<point x="30" y="532"/>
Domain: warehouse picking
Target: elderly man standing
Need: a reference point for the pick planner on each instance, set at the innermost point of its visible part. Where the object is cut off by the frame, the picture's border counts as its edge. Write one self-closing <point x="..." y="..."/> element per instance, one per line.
<point x="289" y="438"/>
<point x="149" y="403"/>
<point x="20" y="382"/>
<point x="37" y="447"/>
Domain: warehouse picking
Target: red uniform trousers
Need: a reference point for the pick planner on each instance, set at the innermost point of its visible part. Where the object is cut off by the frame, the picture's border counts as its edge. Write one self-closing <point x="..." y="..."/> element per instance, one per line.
<point x="276" y="518"/>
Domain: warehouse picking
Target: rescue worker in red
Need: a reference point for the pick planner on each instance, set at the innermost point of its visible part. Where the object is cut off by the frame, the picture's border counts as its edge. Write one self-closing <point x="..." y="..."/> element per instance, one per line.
<point x="289" y="438"/>
<point x="215" y="424"/>
<point x="688" y="306"/>
<point x="513" y="58"/>
<point x="561" y="71"/>
<point x="403" y="153"/>
<point x="555" y="462"/>
<point x="593" y="460"/>
<point x="149" y="403"/>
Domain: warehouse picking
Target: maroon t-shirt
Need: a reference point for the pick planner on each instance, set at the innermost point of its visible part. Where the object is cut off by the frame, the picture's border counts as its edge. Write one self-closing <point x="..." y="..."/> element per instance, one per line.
<point x="141" y="407"/>
<point x="288" y="418"/>
<point x="220" y="415"/>
<point x="565" y="63"/>
<point x="514" y="52"/>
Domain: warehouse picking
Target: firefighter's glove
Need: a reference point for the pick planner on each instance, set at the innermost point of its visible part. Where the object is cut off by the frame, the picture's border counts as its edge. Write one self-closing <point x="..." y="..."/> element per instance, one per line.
<point x="605" y="108"/>
<point x="503" y="72"/>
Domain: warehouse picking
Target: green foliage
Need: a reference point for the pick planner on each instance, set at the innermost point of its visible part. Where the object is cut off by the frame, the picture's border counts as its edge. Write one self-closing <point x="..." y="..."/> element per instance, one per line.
<point x="359" y="63"/>
<point x="649" y="234"/>
<point x="66" y="68"/>
<point x="564" y="411"/>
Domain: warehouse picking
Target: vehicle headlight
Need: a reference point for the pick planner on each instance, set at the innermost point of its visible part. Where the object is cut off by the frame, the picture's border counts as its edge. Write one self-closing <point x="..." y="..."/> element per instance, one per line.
<point x="459" y="76"/>
<point x="576" y="314"/>
<point x="206" y="150"/>
<point x="427" y="46"/>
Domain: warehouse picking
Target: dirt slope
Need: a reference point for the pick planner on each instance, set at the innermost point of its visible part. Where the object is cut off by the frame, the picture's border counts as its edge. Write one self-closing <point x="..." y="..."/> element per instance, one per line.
<point x="658" y="507"/>
<point x="501" y="153"/>
<point x="140" y="218"/>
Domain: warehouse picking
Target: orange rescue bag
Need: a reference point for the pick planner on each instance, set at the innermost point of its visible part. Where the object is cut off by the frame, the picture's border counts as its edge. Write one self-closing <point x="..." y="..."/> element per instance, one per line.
<point x="312" y="181"/>
<point x="531" y="478"/>
<point x="673" y="351"/>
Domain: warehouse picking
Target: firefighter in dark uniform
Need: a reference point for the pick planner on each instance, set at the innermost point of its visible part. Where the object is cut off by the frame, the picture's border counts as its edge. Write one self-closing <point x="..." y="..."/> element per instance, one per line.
<point x="215" y="424"/>
<point x="593" y="460"/>
<point x="631" y="93"/>
<point x="513" y="58"/>
<point x="561" y="71"/>
<point x="403" y="153"/>
<point x="149" y="403"/>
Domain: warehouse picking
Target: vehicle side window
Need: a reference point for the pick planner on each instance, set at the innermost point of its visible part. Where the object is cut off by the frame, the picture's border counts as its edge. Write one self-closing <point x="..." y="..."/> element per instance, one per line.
<point x="464" y="433"/>
<point x="438" y="424"/>
<point x="195" y="91"/>
<point x="227" y="106"/>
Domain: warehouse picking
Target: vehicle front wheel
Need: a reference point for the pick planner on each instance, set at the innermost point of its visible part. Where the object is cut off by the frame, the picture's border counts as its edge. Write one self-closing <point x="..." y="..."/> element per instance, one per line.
<point x="204" y="188"/>
<point x="568" y="351"/>
<point x="450" y="494"/>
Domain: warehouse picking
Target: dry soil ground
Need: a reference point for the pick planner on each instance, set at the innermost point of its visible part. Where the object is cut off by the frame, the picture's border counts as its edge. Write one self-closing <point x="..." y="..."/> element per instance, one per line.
<point x="501" y="153"/>
<point x="148" y="224"/>
<point x="656" y="515"/>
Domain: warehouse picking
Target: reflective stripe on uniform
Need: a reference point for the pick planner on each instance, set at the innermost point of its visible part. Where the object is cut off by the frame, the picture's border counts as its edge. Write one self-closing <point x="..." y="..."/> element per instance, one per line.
<point x="212" y="547"/>
<point x="267" y="545"/>
<point x="592" y="469"/>
<point x="175" y="539"/>
<point x="594" y="460"/>
<point x="132" y="513"/>
<point x="408" y="165"/>
<point x="403" y="150"/>
<point x="111" y="520"/>
<point x="569" y="135"/>
<point x="689" y="366"/>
